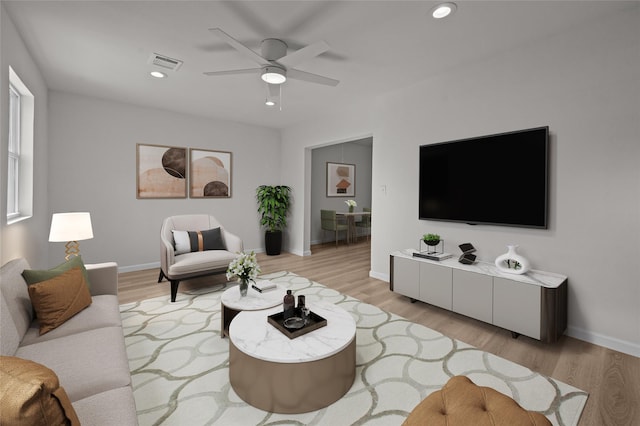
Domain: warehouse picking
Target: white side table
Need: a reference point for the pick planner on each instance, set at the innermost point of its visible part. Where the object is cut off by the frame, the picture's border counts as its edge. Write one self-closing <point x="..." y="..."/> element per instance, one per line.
<point x="231" y="303"/>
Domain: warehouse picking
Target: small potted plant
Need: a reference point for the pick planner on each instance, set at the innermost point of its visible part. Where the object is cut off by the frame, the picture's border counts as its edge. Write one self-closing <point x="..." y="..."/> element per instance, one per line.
<point x="273" y="206"/>
<point x="351" y="204"/>
<point x="431" y="239"/>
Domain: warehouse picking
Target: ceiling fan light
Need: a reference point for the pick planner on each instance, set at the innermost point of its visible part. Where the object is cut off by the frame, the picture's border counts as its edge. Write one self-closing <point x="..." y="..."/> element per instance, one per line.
<point x="273" y="75"/>
<point x="443" y="10"/>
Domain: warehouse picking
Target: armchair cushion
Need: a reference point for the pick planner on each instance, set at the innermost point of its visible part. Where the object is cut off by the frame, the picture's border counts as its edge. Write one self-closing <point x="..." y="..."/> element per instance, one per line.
<point x="462" y="402"/>
<point x="190" y="241"/>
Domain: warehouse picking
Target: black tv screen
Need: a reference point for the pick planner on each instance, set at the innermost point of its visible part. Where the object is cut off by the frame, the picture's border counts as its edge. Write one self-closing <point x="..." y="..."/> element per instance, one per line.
<point x="496" y="179"/>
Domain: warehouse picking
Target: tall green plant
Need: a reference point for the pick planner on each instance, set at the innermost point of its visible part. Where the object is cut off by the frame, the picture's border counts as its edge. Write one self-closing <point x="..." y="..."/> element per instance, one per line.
<point x="273" y="206"/>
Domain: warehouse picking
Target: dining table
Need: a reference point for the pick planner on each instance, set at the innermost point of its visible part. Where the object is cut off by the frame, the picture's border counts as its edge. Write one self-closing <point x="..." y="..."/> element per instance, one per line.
<point x="351" y="223"/>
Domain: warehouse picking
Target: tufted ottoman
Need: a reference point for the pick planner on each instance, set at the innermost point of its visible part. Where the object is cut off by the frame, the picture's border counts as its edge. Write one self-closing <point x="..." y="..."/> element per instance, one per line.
<point x="461" y="402"/>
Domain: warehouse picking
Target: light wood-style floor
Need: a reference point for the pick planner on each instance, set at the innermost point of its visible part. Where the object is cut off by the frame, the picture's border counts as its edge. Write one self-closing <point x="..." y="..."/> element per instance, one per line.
<point x="611" y="378"/>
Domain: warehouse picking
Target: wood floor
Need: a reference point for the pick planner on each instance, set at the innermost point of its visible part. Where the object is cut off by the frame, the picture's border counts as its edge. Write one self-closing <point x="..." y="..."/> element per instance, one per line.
<point x="611" y="378"/>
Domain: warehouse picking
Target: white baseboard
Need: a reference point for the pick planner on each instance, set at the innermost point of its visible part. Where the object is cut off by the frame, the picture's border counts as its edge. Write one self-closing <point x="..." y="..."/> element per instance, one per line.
<point x="141" y="267"/>
<point x="379" y="276"/>
<point x="619" y="345"/>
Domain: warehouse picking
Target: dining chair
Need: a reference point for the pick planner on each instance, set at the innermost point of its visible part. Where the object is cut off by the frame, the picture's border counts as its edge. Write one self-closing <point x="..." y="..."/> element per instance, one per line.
<point x="329" y="222"/>
<point x="365" y="222"/>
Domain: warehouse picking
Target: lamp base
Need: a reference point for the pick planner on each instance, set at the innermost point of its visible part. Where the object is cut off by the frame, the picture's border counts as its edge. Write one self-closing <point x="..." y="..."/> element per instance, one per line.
<point x="72" y="248"/>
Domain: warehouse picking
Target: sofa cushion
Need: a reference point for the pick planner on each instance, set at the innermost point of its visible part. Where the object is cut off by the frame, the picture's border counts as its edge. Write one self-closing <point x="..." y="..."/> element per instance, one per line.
<point x="9" y="337"/>
<point x="188" y="241"/>
<point x="198" y="261"/>
<point x="114" y="407"/>
<point x="33" y="276"/>
<point x="30" y="394"/>
<point x="462" y="402"/>
<point x="103" y="312"/>
<point x="59" y="298"/>
<point x="86" y="363"/>
<point x="17" y="304"/>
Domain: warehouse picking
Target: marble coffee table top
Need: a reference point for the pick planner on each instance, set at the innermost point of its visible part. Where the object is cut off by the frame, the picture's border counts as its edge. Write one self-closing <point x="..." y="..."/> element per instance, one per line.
<point x="252" y="334"/>
<point x="254" y="300"/>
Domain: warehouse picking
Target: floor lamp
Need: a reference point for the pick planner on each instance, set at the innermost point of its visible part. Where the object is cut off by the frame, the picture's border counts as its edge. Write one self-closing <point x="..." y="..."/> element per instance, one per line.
<point x="71" y="227"/>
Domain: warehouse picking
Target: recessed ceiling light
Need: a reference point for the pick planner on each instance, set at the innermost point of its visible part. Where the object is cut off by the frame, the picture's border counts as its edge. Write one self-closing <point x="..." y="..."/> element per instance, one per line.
<point x="157" y="74"/>
<point x="443" y="10"/>
<point x="269" y="102"/>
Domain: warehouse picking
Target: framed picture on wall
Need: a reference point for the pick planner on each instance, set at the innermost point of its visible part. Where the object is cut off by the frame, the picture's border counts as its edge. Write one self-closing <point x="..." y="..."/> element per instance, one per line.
<point x="210" y="174"/>
<point x="341" y="180"/>
<point x="161" y="171"/>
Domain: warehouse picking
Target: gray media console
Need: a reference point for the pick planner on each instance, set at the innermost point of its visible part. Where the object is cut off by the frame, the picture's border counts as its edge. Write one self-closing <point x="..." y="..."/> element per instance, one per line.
<point x="533" y="304"/>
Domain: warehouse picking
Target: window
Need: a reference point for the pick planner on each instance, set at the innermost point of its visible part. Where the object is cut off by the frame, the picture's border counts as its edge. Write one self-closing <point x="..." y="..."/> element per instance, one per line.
<point x="20" y="150"/>
<point x="13" y="179"/>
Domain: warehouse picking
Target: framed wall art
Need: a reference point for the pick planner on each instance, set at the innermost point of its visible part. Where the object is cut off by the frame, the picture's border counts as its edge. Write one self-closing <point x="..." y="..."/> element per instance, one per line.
<point x="210" y="174"/>
<point x="161" y="171"/>
<point x="341" y="180"/>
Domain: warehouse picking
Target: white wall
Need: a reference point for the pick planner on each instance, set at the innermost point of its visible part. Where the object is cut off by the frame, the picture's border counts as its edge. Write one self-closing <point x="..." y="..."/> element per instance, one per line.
<point x="27" y="238"/>
<point x="93" y="168"/>
<point x="584" y="84"/>
<point x="350" y="153"/>
<point x="351" y="123"/>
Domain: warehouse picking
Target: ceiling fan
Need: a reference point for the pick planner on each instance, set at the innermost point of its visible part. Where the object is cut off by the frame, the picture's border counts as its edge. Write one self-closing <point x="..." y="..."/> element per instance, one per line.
<point x="275" y="65"/>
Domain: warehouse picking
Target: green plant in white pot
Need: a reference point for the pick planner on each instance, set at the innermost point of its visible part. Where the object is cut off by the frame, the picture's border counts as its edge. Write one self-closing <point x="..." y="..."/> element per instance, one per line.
<point x="273" y="206"/>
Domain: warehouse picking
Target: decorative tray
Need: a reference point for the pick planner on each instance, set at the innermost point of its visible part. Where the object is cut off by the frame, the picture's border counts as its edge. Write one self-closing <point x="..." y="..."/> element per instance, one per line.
<point x="314" y="322"/>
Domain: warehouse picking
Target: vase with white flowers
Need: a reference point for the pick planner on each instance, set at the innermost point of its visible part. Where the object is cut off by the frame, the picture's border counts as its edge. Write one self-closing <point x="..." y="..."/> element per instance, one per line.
<point x="244" y="268"/>
<point x="351" y="204"/>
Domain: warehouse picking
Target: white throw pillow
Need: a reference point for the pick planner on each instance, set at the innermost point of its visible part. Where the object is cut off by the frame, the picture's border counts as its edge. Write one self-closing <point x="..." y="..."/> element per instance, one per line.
<point x="181" y="242"/>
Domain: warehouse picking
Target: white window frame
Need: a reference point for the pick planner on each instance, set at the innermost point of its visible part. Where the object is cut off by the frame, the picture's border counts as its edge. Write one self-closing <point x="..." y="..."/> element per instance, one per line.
<point x="13" y="156"/>
<point x="20" y="150"/>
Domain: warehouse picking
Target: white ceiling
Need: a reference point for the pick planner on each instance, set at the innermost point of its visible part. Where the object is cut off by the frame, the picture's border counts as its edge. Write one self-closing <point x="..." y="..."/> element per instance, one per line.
<point x="101" y="48"/>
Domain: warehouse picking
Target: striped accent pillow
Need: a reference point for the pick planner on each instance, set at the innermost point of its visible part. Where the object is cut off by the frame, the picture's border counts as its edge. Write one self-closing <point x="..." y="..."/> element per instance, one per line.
<point x="189" y="241"/>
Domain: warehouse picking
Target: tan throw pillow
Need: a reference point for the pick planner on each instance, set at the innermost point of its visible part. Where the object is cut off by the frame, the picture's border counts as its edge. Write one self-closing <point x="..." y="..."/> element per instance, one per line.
<point x="30" y="394"/>
<point x="59" y="298"/>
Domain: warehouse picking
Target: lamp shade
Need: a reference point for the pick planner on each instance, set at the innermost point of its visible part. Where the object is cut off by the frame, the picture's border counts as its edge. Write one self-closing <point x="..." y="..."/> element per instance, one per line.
<point x="74" y="226"/>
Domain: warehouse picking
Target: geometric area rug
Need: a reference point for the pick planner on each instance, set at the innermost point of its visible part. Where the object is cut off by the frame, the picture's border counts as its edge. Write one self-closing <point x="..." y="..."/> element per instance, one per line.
<point x="180" y="375"/>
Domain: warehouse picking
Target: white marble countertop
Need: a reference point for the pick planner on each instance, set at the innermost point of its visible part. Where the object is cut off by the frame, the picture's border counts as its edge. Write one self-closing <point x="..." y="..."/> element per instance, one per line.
<point x="534" y="277"/>
<point x="254" y="300"/>
<point x="252" y="334"/>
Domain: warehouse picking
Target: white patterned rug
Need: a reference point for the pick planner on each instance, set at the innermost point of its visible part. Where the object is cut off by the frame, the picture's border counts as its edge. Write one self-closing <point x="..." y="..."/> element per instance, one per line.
<point x="179" y="366"/>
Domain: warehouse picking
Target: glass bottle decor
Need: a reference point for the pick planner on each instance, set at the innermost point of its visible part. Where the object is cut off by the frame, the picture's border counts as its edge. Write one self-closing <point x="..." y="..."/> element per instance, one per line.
<point x="511" y="262"/>
<point x="288" y="305"/>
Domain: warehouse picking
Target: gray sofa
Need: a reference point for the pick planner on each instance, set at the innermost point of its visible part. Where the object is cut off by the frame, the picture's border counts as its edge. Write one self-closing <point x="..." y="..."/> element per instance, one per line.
<point x="87" y="352"/>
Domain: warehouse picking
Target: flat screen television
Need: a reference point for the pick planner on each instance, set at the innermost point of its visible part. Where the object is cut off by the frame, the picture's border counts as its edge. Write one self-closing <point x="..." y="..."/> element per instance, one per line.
<point x="499" y="179"/>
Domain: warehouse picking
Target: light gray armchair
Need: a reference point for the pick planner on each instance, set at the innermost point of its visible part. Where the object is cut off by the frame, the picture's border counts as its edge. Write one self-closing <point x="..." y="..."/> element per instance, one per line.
<point x="209" y="252"/>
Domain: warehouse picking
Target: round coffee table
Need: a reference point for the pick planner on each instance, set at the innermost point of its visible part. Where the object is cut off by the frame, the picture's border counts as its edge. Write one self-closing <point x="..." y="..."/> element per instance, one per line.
<point x="231" y="303"/>
<point x="281" y="375"/>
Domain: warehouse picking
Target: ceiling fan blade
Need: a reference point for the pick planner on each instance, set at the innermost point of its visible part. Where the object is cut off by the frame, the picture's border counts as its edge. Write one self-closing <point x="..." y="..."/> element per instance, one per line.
<point x="240" y="47"/>
<point x="311" y="78"/>
<point x="304" y="54"/>
<point x="232" y="72"/>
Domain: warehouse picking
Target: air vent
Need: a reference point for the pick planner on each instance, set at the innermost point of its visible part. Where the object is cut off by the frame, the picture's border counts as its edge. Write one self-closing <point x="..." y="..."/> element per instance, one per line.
<point x="165" y="62"/>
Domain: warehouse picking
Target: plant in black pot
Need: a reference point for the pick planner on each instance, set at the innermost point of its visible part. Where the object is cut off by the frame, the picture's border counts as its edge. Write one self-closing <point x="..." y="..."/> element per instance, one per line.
<point x="273" y="206"/>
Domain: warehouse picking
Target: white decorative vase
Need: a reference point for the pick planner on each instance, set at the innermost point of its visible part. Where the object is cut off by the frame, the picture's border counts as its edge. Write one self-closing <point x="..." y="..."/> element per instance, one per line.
<point x="511" y="262"/>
